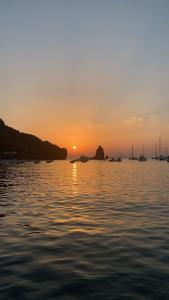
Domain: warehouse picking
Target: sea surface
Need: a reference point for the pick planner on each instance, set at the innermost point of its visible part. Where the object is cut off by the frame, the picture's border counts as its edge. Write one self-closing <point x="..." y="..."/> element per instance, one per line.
<point x="86" y="231"/>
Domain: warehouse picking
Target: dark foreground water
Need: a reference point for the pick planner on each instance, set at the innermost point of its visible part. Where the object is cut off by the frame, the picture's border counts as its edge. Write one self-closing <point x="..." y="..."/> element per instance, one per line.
<point x="84" y="231"/>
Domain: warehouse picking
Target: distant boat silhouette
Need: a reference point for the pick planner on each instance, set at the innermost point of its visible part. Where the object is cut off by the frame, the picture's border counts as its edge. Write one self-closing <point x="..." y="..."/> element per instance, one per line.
<point x="162" y="157"/>
<point x="112" y="159"/>
<point x="72" y="161"/>
<point x="49" y="161"/>
<point x="118" y="159"/>
<point x="142" y="158"/>
<point x="83" y="159"/>
<point x="132" y="154"/>
<point x="155" y="157"/>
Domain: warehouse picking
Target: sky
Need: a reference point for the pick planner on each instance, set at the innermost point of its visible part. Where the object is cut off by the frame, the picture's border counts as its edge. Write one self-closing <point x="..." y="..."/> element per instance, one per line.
<point x="86" y="73"/>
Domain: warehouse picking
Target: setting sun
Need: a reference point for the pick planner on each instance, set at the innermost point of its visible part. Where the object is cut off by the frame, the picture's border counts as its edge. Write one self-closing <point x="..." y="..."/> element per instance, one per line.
<point x="74" y="147"/>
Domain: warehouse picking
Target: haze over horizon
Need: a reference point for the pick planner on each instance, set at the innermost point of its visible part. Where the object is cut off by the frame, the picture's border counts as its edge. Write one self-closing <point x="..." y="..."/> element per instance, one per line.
<point x="86" y="73"/>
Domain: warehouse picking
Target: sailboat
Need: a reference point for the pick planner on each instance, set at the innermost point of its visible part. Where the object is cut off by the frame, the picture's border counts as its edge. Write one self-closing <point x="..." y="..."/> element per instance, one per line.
<point x="132" y="154"/>
<point x="156" y="156"/>
<point x="161" y="156"/>
<point x="142" y="157"/>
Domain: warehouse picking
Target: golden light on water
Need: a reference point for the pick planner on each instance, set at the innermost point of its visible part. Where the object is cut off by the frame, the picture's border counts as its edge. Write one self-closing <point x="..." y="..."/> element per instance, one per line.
<point x="74" y="179"/>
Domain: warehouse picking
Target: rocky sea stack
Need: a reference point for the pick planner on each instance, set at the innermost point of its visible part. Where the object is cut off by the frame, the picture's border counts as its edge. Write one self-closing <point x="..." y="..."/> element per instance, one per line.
<point x="15" y="144"/>
<point x="99" y="154"/>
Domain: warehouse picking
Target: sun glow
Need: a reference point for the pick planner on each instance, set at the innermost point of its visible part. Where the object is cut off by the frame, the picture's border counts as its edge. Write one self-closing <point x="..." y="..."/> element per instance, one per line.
<point x="74" y="147"/>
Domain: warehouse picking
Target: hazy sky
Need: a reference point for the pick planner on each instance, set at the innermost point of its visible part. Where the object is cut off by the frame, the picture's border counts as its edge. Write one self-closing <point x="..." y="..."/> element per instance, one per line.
<point x="86" y="72"/>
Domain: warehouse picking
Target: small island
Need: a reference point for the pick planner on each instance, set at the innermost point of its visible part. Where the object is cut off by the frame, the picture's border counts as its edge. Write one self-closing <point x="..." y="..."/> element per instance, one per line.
<point x="99" y="154"/>
<point x="19" y="145"/>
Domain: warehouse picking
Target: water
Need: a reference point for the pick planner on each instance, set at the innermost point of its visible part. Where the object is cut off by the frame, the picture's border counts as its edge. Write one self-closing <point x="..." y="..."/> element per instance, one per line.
<point x="94" y="231"/>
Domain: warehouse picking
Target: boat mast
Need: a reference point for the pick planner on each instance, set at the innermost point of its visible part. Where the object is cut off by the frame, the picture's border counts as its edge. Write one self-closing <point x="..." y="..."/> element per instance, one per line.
<point x="155" y="150"/>
<point x="132" y="151"/>
<point x="159" y="145"/>
<point x="143" y="149"/>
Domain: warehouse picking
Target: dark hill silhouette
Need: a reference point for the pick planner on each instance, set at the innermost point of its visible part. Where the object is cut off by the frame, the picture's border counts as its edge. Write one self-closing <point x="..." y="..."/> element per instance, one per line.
<point x="27" y="146"/>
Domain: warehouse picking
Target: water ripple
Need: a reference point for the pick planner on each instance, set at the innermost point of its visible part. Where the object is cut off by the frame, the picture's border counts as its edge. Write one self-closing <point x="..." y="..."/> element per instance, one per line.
<point x="84" y="231"/>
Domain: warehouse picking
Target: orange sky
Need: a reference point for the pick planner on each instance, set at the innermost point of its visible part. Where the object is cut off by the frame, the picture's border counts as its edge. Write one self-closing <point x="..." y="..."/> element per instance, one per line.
<point x="79" y="76"/>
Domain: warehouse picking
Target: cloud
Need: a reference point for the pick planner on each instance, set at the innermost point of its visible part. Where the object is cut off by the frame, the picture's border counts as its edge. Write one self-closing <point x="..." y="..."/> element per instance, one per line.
<point x="133" y="121"/>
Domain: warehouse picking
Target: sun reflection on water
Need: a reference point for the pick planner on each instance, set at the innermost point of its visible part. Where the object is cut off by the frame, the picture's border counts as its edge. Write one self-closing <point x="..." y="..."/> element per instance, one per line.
<point x="74" y="178"/>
